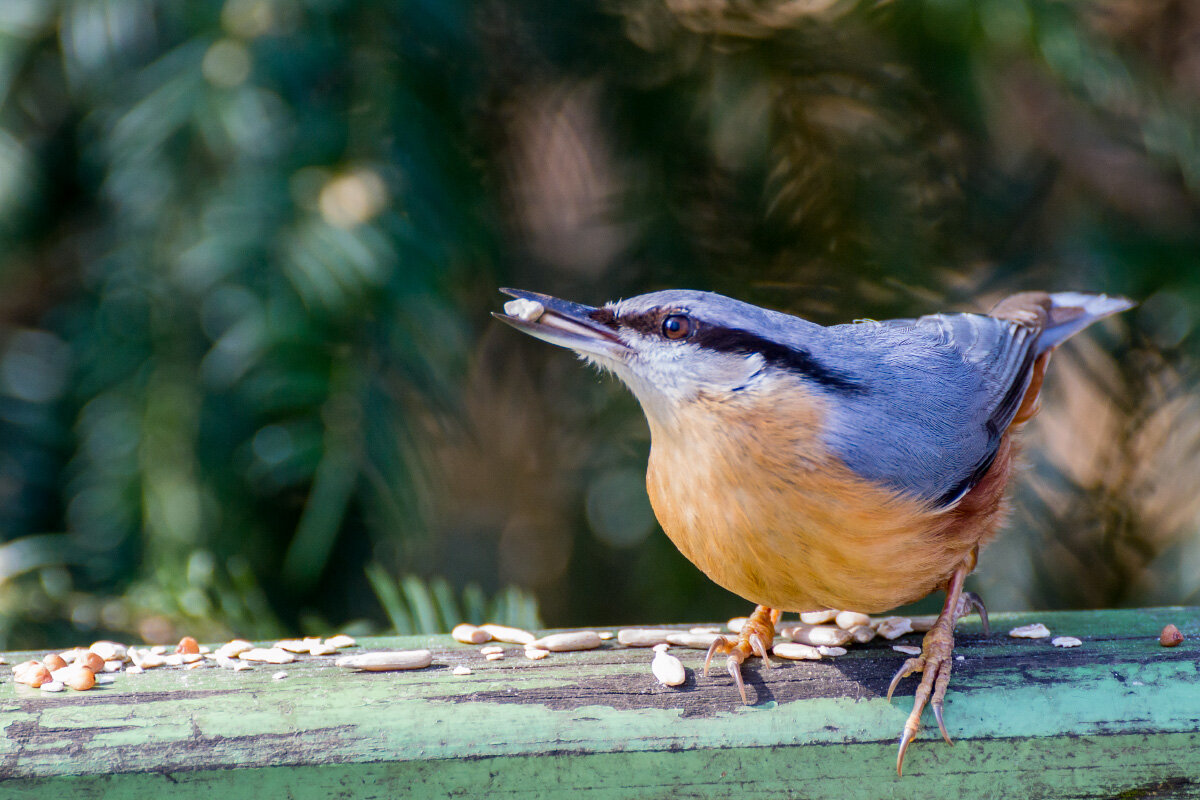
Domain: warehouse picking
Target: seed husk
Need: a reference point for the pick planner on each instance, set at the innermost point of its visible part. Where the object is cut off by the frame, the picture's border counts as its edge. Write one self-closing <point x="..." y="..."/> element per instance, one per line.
<point x="831" y="651"/>
<point x="110" y="651"/>
<point x="387" y="660"/>
<point x="569" y="641"/>
<point x="470" y="634"/>
<point x="31" y="673"/>
<point x="461" y="670"/>
<point x="696" y="641"/>
<point x="907" y="649"/>
<point x="321" y="649"/>
<point x="491" y="649"/>
<point x="796" y="651"/>
<point x="92" y="661"/>
<point x="535" y="653"/>
<point x="1035" y="631"/>
<point x="494" y="656"/>
<point x="862" y="633"/>
<point x="818" y="635"/>
<point x="1066" y="641"/>
<point x="503" y="633"/>
<point x="851" y="619"/>
<point x="893" y="627"/>
<point x="52" y="686"/>
<point x="102" y="680"/>
<point x="819" y="617"/>
<point x="234" y="648"/>
<point x="294" y="645"/>
<point x="269" y="655"/>
<point x="341" y="641"/>
<point x="643" y="637"/>
<point x="1170" y="636"/>
<point x="77" y="676"/>
<point x="923" y="624"/>
<point x="134" y="669"/>
<point x="668" y="669"/>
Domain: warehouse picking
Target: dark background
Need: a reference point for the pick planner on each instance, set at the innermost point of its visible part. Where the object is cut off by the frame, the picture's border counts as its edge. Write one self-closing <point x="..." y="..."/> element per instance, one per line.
<point x="248" y="380"/>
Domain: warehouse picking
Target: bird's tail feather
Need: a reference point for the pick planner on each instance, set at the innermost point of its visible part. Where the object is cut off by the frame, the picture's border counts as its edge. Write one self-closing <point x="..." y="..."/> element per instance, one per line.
<point x="1071" y="312"/>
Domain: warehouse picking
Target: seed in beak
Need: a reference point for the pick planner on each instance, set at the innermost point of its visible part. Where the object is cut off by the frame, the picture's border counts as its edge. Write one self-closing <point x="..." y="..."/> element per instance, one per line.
<point x="525" y="310"/>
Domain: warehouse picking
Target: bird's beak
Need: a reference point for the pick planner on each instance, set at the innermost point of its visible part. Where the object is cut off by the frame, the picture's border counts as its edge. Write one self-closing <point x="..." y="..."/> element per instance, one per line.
<point x="561" y="322"/>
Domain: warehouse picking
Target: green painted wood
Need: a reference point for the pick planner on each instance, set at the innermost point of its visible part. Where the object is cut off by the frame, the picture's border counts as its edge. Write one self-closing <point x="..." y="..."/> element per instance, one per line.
<point x="1117" y="717"/>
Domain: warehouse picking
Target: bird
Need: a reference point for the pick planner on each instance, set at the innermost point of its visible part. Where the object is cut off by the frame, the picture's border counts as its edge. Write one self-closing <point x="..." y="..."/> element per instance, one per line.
<point x="800" y="466"/>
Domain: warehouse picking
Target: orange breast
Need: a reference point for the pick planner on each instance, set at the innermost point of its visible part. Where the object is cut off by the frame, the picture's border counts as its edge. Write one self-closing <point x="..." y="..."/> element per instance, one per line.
<point x="765" y="511"/>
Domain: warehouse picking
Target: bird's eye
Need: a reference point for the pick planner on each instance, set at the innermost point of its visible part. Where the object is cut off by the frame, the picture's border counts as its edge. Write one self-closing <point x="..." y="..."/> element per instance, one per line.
<point x="677" y="326"/>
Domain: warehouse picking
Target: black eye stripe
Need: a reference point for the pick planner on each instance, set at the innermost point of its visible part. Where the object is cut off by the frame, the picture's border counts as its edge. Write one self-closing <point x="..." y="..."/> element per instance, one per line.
<point x="793" y="359"/>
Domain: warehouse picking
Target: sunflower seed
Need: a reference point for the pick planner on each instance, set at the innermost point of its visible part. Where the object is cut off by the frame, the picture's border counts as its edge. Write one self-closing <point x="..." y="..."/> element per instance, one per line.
<point x="503" y="633"/>
<point x="469" y="634"/>
<point x="384" y="661"/>
<point x="1066" y="641"/>
<point x="668" y="669"/>
<point x="851" y="619"/>
<point x="570" y="641"/>
<point x="1035" y="631"/>
<point x="893" y="627"/>
<point x="796" y="651"/>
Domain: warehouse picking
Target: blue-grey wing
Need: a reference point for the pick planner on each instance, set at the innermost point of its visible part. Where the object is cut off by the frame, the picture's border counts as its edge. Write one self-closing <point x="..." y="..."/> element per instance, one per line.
<point x="941" y="391"/>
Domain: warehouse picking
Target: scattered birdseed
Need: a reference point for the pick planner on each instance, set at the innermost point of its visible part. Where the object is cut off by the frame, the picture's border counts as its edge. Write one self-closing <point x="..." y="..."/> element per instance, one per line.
<point x="270" y="655"/>
<point x="960" y="658"/>
<point x="503" y="633"/>
<point x="461" y="670"/>
<point x="1170" y="636"/>
<point x="384" y="661"/>
<point x="696" y="641"/>
<point x="819" y="617"/>
<point x="491" y="649"/>
<point x="535" y="653"/>
<point x="831" y="651"/>
<point x="321" y="649"/>
<point x="234" y="648"/>
<point x="278" y="676"/>
<point x="341" y="641"/>
<point x="109" y="651"/>
<point x="893" y="627"/>
<point x="851" y="619"/>
<point x="1066" y="641"/>
<point x="52" y="686"/>
<point x="907" y="649"/>
<point x="923" y="624"/>
<point x="31" y="673"/>
<point x="524" y="309"/>
<point x="818" y="635"/>
<point x="174" y="659"/>
<point x="113" y="666"/>
<point x="469" y="634"/>
<point x="134" y="669"/>
<point x="705" y="629"/>
<point x="494" y="656"/>
<point x="54" y="661"/>
<point x="187" y="645"/>
<point x="1035" y="631"/>
<point x="643" y="637"/>
<point x="195" y="664"/>
<point x="796" y="651"/>
<point x="77" y="676"/>
<point x="241" y="666"/>
<point x="569" y="641"/>
<point x="102" y="680"/>
<point x="667" y="668"/>
<point x="735" y="625"/>
<point x="862" y="633"/>
<point x="293" y="645"/>
<point x="606" y="635"/>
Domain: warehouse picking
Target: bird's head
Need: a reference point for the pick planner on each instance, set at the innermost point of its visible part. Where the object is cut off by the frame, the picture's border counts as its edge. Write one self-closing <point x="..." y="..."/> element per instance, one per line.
<point x="675" y="346"/>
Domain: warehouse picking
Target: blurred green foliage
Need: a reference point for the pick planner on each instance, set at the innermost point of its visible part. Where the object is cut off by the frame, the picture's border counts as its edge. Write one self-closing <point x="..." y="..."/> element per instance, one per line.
<point x="247" y="249"/>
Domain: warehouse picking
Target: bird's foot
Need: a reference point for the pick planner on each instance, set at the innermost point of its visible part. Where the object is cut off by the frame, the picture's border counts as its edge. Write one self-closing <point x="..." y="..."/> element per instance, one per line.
<point x="754" y="639"/>
<point x="937" y="655"/>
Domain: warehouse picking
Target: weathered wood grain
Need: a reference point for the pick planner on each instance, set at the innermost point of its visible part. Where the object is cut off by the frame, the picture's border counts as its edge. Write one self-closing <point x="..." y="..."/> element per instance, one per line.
<point x="1119" y="716"/>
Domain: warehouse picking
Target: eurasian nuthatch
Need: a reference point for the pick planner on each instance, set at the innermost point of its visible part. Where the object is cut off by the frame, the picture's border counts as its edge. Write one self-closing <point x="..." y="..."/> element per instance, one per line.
<point x="803" y="467"/>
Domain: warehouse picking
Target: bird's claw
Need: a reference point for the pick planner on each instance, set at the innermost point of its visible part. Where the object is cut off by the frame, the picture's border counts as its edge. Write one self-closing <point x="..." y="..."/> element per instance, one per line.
<point x="753" y="640"/>
<point x="973" y="602"/>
